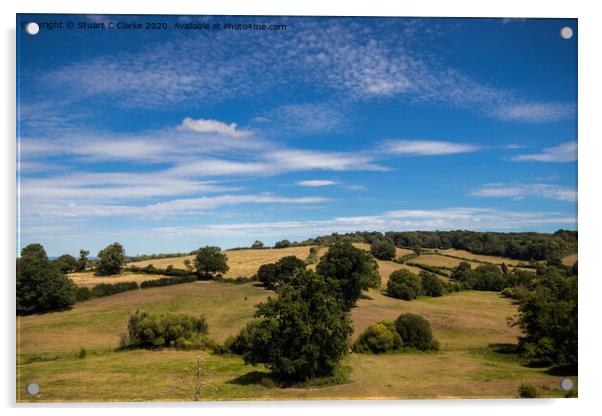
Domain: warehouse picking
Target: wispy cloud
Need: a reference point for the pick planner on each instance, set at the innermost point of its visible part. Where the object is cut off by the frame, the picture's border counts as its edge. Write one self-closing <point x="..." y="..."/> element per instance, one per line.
<point x="213" y="126"/>
<point x="439" y="219"/>
<point x="171" y="208"/>
<point x="305" y="118"/>
<point x="426" y="147"/>
<point x="534" y="112"/>
<point x="317" y="183"/>
<point x="565" y="152"/>
<point x="520" y="191"/>
<point x="347" y="60"/>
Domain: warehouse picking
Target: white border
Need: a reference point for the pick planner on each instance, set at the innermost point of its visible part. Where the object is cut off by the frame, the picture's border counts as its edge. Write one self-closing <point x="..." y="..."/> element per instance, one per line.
<point x="590" y="209"/>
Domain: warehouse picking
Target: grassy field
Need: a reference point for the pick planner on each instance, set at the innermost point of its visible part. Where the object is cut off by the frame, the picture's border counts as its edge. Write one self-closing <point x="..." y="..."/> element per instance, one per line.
<point x="465" y="323"/>
<point x="440" y="261"/>
<point x="88" y="279"/>
<point x="242" y="262"/>
<point x="470" y="256"/>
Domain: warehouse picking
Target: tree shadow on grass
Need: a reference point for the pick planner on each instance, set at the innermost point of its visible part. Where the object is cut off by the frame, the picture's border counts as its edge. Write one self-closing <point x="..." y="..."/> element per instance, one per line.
<point x="563" y="370"/>
<point x="504" y="348"/>
<point x="253" y="377"/>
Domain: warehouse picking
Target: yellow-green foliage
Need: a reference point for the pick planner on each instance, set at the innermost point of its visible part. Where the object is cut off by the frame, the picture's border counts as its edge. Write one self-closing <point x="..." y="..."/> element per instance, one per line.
<point x="378" y="338"/>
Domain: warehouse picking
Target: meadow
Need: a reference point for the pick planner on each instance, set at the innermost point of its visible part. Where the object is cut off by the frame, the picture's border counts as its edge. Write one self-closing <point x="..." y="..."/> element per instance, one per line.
<point x="470" y="326"/>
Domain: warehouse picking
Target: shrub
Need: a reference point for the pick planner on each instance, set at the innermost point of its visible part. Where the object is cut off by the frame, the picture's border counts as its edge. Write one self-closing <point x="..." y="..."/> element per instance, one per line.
<point x="107" y="289"/>
<point x="378" y="338"/>
<point x="167" y="281"/>
<point x="404" y="284"/>
<point x="415" y="332"/>
<point x="352" y="268"/>
<point x="164" y="330"/>
<point x="282" y="244"/>
<point x="527" y="391"/>
<point x="111" y="260"/>
<point x="383" y="249"/>
<point x="82" y="294"/>
<point x="40" y="286"/>
<point x="431" y="285"/>
<point x="240" y="344"/>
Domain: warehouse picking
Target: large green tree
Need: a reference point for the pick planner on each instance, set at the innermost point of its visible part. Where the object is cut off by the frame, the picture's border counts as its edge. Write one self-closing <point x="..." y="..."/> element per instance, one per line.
<point x="548" y="317"/>
<point x="111" y="260"/>
<point x="303" y="332"/>
<point x="403" y="284"/>
<point x="209" y="260"/>
<point x="41" y="287"/>
<point x="354" y="269"/>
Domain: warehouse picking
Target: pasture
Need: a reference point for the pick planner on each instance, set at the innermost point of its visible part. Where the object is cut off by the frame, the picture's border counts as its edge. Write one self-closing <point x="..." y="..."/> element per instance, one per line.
<point x="467" y="324"/>
<point x="88" y="279"/>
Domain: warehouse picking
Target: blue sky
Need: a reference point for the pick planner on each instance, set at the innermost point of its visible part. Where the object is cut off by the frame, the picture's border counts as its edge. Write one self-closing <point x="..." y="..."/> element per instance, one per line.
<point x="167" y="140"/>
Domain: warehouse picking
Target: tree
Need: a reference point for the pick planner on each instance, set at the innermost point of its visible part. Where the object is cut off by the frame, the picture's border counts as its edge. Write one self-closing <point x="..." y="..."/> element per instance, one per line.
<point x="303" y="332"/>
<point x="548" y="318"/>
<point x="354" y="269"/>
<point x="282" y="271"/>
<point x="209" y="260"/>
<point x="257" y="244"/>
<point x="415" y="332"/>
<point x="282" y="244"/>
<point x="41" y="287"/>
<point x="383" y="249"/>
<point x="111" y="260"/>
<point x="431" y="285"/>
<point x="188" y="265"/>
<point x="403" y="284"/>
<point x="82" y="262"/>
<point x="378" y="338"/>
<point x="66" y="263"/>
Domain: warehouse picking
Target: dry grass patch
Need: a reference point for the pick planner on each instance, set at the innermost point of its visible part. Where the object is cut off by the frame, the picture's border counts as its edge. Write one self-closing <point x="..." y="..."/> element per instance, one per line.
<point x="569" y="260"/>
<point x="440" y="261"/>
<point x="89" y="280"/>
<point x="471" y="256"/>
<point x="242" y="262"/>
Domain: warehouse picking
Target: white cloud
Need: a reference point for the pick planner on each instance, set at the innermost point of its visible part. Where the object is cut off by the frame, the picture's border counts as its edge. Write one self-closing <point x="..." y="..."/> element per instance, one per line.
<point x="426" y="147"/>
<point x="305" y="118"/>
<point x="297" y="159"/>
<point x="213" y="126"/>
<point x="534" y="112"/>
<point x="519" y="191"/>
<point x="317" y="183"/>
<point x="401" y="220"/>
<point x="171" y="208"/>
<point x="565" y="152"/>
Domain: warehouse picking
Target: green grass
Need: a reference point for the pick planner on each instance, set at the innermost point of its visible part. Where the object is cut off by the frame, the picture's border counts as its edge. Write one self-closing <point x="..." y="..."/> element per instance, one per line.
<point x="465" y="323"/>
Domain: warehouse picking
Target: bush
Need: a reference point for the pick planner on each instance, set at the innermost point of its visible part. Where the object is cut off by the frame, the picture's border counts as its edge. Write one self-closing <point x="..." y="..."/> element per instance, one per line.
<point x="167" y="281"/>
<point x="404" y="284"/>
<point x="383" y="249"/>
<point x="415" y="332"/>
<point x="527" y="391"/>
<point x="431" y="285"/>
<point x="82" y="294"/>
<point x="282" y="244"/>
<point x="240" y="344"/>
<point x="66" y="263"/>
<point x="165" y="330"/>
<point x="378" y="338"/>
<point x="107" y="289"/>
